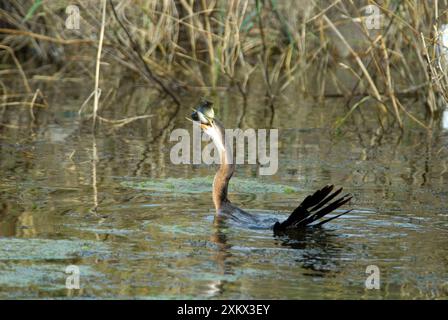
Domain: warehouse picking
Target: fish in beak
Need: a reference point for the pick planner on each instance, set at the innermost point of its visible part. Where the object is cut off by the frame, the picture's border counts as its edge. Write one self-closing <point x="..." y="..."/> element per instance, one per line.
<point x="205" y="115"/>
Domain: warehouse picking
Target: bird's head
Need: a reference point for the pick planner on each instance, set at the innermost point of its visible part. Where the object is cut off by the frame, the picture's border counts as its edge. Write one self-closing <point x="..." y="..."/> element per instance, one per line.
<point x="205" y="116"/>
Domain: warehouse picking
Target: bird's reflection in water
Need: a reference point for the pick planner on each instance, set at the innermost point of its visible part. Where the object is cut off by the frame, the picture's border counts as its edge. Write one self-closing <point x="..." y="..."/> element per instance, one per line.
<point x="219" y="238"/>
<point x="320" y="252"/>
<point x="320" y="248"/>
<point x="221" y="256"/>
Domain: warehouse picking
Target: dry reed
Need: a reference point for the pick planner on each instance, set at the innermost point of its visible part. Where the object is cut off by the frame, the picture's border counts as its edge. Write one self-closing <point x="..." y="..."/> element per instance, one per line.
<point x="184" y="45"/>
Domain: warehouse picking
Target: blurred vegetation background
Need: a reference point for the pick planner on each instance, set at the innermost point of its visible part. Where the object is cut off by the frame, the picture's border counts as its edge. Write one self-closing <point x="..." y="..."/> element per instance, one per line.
<point x="320" y="49"/>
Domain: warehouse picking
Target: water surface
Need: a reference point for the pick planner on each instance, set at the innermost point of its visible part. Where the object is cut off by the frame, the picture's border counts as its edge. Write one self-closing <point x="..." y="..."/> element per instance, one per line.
<point x="69" y="198"/>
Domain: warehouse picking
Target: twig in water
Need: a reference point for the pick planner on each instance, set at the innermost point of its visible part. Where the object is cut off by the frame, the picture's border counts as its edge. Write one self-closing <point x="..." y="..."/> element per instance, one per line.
<point x="98" y="61"/>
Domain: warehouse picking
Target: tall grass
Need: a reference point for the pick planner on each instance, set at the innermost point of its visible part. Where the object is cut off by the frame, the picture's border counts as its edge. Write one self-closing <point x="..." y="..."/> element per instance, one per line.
<point x="320" y="48"/>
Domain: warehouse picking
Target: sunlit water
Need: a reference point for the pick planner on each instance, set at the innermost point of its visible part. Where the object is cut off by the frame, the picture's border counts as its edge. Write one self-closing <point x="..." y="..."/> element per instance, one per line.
<point x="60" y="208"/>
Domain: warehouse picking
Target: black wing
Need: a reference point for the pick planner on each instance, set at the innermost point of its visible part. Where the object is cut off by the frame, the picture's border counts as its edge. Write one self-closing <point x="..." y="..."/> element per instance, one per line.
<point x="313" y="208"/>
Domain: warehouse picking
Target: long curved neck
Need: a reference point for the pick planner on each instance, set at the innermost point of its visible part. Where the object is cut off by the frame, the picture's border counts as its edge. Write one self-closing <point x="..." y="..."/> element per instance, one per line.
<point x="223" y="175"/>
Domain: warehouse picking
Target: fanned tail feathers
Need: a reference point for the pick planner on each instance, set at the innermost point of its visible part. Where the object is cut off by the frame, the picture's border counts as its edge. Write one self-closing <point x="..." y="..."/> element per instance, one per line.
<point x="313" y="208"/>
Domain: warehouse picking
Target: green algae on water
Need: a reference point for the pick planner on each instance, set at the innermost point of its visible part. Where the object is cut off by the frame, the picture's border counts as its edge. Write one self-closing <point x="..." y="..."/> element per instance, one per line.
<point x="204" y="184"/>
